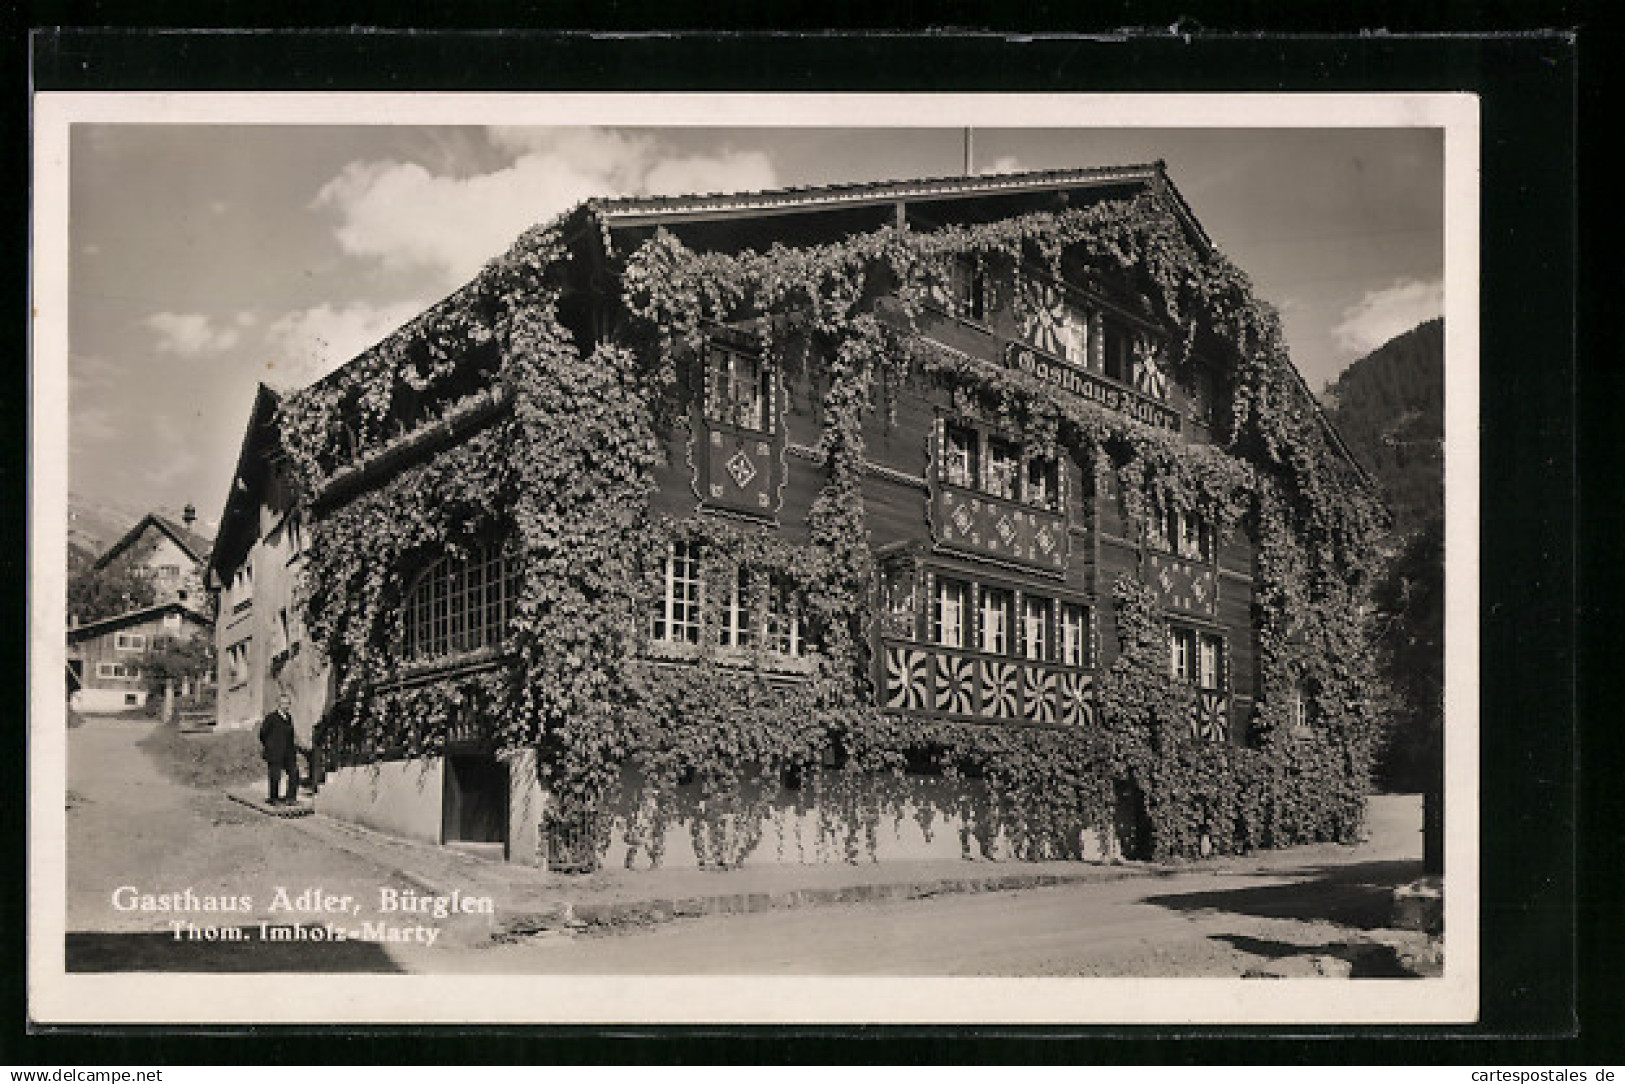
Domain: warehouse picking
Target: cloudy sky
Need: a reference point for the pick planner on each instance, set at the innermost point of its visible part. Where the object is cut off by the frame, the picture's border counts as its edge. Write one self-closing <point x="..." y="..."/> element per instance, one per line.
<point x="206" y="259"/>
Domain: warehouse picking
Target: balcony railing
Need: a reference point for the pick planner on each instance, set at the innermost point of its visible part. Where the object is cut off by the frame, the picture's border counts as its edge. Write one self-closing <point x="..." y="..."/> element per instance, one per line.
<point x="929" y="680"/>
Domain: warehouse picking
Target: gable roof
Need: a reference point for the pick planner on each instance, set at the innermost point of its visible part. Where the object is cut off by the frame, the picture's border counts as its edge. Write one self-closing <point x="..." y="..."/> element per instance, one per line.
<point x="241" y="512"/>
<point x="92" y="629"/>
<point x="194" y="545"/>
<point x="636" y="209"/>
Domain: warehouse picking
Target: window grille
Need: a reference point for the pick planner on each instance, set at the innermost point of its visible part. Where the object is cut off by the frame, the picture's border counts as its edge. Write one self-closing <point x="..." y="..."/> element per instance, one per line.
<point x="678" y="618"/>
<point x="961" y="459"/>
<point x="1043" y="483"/>
<point x="783" y="626"/>
<point x="1002" y="468"/>
<point x="737" y="388"/>
<point x="952" y="603"/>
<point x="1035" y="622"/>
<point x="735" y="628"/>
<point x="1074" y="634"/>
<point x="462" y="604"/>
<point x="995" y="623"/>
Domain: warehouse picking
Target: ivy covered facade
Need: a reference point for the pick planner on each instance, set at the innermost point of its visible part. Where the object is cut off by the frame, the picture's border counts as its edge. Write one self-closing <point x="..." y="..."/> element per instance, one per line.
<point x="978" y="516"/>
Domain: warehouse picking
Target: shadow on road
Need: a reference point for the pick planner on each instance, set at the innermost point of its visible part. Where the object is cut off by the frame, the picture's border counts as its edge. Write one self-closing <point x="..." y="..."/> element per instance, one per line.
<point x="1366" y="961"/>
<point x="1359" y="895"/>
<point x="159" y="951"/>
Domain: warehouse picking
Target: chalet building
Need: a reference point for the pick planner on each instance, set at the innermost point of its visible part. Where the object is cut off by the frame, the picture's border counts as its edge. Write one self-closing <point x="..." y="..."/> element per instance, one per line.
<point x="170" y="554"/>
<point x="260" y="643"/>
<point x="846" y="523"/>
<point x="108" y="661"/>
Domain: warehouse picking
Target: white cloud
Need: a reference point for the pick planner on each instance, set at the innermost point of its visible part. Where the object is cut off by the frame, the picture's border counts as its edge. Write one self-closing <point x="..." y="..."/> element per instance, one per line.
<point x="1382" y="314"/>
<point x="404" y="216"/>
<point x="313" y="342"/>
<point x="1007" y="164"/>
<point x="189" y="334"/>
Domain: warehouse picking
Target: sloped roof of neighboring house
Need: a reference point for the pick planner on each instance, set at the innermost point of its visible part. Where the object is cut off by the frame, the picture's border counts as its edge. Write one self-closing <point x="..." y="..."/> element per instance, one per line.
<point x="92" y="629"/>
<point x="193" y="544"/>
<point x="240" y="517"/>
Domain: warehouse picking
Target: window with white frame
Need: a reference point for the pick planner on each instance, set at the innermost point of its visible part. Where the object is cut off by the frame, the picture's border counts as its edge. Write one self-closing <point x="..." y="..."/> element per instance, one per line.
<point x="994" y="627"/>
<point x="952" y="608"/>
<point x="961" y="456"/>
<point x="737" y="387"/>
<point x="460" y="604"/>
<point x="1043" y="487"/>
<point x="1074" y="634"/>
<point x="1003" y="469"/>
<point x="735" y="629"/>
<point x="1035" y="627"/>
<point x="117" y="671"/>
<point x="677" y="619"/>
<point x="1183" y="534"/>
<point x="1196" y="658"/>
<point x="129" y="641"/>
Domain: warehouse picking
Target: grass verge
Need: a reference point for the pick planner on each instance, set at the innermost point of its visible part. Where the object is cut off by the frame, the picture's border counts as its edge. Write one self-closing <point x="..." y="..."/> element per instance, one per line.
<point x="210" y="760"/>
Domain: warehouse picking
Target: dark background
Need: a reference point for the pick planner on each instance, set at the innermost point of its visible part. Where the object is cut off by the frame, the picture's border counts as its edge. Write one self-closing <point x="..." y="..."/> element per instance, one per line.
<point x="1549" y="941"/>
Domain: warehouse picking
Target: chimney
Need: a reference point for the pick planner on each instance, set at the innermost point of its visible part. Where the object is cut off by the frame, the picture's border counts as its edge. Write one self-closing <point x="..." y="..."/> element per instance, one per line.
<point x="189" y="515"/>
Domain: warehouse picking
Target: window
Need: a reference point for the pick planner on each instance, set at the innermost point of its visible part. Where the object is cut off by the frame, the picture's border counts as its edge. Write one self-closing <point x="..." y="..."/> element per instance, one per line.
<point x="737" y="388"/>
<point x="117" y="671"/>
<point x="1003" y="460"/>
<point x="1196" y="658"/>
<point x="783" y="625"/>
<point x="1035" y="620"/>
<point x="237" y="661"/>
<point x="960" y="458"/>
<point x="1183" y="534"/>
<point x="971" y="297"/>
<point x="735" y="628"/>
<point x="952" y="604"/>
<point x="995" y="624"/>
<point x="678" y="619"/>
<point x="129" y="641"/>
<point x="1043" y="483"/>
<point x="1118" y="344"/>
<point x="1074" y="634"/>
<point x="461" y="604"/>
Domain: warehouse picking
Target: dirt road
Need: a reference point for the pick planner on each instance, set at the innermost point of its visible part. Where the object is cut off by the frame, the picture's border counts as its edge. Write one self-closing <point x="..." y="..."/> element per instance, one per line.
<point x="129" y="826"/>
<point x="1309" y="921"/>
<point x="1311" y="911"/>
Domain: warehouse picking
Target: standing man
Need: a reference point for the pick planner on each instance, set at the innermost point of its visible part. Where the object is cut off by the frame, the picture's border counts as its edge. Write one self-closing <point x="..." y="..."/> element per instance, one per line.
<point x="276" y="745"/>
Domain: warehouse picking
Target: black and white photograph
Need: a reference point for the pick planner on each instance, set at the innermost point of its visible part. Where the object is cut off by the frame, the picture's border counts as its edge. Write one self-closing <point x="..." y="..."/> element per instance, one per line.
<point x="711" y="558"/>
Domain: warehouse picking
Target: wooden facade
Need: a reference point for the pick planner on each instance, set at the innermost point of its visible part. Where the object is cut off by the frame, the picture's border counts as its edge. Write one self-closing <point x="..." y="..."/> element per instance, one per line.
<point x="994" y="558"/>
<point x="1032" y="538"/>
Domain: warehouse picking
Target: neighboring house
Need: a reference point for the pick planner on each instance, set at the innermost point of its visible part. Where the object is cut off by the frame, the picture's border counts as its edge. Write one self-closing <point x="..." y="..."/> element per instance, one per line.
<point x="970" y="516"/>
<point x="253" y="571"/>
<point x="172" y="555"/>
<point x="108" y="660"/>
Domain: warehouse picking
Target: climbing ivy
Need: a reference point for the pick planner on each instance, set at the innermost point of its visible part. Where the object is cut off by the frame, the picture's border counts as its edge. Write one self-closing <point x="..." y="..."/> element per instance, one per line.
<point x="565" y="473"/>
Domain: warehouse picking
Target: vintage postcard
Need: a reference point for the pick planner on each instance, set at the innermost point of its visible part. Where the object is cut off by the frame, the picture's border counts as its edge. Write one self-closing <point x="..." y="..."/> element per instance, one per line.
<point x="705" y="558"/>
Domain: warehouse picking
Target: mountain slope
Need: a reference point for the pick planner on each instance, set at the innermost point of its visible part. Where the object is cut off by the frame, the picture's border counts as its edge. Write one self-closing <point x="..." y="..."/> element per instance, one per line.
<point x="1389" y="408"/>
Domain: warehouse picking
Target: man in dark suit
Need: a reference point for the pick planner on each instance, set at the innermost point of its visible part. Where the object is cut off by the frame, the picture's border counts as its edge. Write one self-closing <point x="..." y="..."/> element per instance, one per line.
<point x="281" y="755"/>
